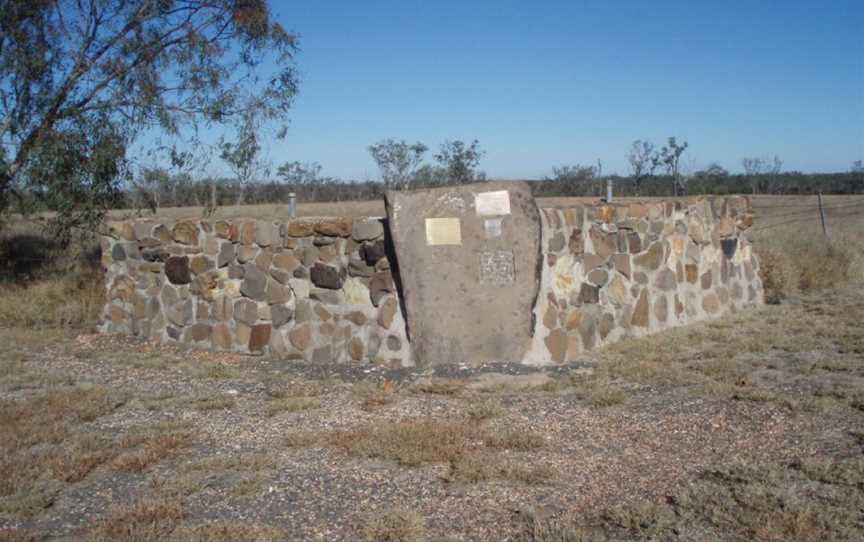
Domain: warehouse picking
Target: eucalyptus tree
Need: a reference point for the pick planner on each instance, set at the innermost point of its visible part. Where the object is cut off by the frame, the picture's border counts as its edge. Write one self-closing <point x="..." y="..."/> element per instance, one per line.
<point x="81" y="80"/>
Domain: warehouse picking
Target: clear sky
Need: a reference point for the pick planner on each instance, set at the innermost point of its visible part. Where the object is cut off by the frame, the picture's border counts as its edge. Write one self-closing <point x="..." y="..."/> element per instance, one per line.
<point x="548" y="83"/>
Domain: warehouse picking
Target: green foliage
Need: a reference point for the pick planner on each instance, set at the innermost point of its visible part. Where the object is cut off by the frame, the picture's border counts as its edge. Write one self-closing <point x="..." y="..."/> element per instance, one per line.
<point x="460" y="161"/>
<point x="398" y="161"/>
<point x="82" y="80"/>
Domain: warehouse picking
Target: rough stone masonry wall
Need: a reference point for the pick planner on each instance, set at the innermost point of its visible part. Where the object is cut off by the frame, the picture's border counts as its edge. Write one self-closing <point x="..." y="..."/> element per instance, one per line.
<point x="322" y="290"/>
<point x="319" y="290"/>
<point x="626" y="270"/>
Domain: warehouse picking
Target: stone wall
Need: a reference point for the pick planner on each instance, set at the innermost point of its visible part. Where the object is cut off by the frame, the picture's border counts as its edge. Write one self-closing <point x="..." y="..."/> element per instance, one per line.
<point x="319" y="290"/>
<point x="626" y="270"/>
<point x="329" y="290"/>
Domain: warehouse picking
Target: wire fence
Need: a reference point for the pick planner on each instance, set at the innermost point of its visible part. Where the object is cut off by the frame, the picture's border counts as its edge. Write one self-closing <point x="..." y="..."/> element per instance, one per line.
<point x="814" y="211"/>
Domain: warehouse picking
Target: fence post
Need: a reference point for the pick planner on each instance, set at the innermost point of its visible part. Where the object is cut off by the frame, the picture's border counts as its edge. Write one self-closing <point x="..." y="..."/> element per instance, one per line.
<point x="609" y="190"/>
<point x="822" y="216"/>
<point x="292" y="205"/>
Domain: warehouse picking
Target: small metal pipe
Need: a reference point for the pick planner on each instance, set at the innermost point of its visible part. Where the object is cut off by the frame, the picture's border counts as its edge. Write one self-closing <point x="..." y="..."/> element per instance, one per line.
<point x="292" y="205"/>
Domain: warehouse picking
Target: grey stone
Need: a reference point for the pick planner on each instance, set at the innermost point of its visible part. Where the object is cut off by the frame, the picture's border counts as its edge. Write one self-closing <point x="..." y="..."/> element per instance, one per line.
<point x="380" y="284"/>
<point x="441" y="282"/>
<point x="322" y="355"/>
<point x="254" y="285"/>
<point x="118" y="253"/>
<point x="556" y="244"/>
<point x="330" y="297"/>
<point x="393" y="343"/>
<point x="245" y="311"/>
<point x="358" y="268"/>
<point x="226" y="255"/>
<point x="280" y="315"/>
<point x="367" y="230"/>
<point x="665" y="280"/>
<point x="302" y="312"/>
<point x="310" y="256"/>
<point x="265" y="234"/>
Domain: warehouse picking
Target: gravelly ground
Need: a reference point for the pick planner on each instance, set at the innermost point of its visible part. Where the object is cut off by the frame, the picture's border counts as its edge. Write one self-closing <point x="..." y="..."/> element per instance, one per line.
<point x="633" y="451"/>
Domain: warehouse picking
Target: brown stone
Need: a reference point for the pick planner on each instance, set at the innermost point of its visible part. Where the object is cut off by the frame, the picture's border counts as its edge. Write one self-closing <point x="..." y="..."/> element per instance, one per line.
<point x="221" y="337"/>
<point x="201" y="264"/>
<point x="300" y="337"/>
<point x="286" y="261"/>
<point x="621" y="262"/>
<point x="589" y="294"/>
<point x="592" y="261"/>
<point x="576" y="243"/>
<point x="356" y="317"/>
<point x="556" y="344"/>
<point x="588" y="332"/>
<point x="222" y="229"/>
<point x="200" y="332"/>
<point x="706" y="280"/>
<point x="661" y="308"/>
<point x="323" y="314"/>
<point x="259" y="337"/>
<point x="606" y="325"/>
<point x="280" y="315"/>
<point x="637" y="210"/>
<point x="335" y="227"/>
<point x="692" y="272"/>
<point x="246" y="253"/>
<point x="387" y="312"/>
<point x="242" y="332"/>
<point x="574" y="319"/>
<point x="711" y="304"/>
<point x="356" y="349"/>
<point x="634" y="242"/>
<point x="550" y="317"/>
<point x="177" y="270"/>
<point x="606" y="213"/>
<point x="300" y="228"/>
<point x="641" y="312"/>
<point x="652" y="259"/>
<point x="186" y="233"/>
<point x="276" y="293"/>
<point x="327" y="253"/>
<point x="604" y="243"/>
<point x="679" y="307"/>
<point x="247" y="233"/>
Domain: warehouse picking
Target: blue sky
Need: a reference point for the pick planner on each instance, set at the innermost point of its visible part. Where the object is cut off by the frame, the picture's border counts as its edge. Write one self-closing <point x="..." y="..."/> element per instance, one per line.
<point x="542" y="84"/>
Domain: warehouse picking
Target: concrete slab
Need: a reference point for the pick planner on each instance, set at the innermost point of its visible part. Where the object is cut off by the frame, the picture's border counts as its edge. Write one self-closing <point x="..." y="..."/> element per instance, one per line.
<point x="468" y="265"/>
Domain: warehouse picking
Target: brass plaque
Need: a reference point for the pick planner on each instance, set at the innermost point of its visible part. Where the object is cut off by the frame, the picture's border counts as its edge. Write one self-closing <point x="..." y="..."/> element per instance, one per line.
<point x="492" y="203"/>
<point x="443" y="231"/>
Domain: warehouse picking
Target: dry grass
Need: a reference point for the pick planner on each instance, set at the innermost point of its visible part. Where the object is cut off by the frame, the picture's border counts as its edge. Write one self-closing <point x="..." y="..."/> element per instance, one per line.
<point x="738" y="503"/>
<point x="291" y="404"/>
<point x="216" y="402"/>
<point x="393" y="526"/>
<point x="147" y="446"/>
<point x="230" y="531"/>
<point x="146" y="520"/>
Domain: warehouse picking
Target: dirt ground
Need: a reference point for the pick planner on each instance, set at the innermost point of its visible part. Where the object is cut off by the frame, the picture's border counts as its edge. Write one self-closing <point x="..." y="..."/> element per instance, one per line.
<point x="746" y="428"/>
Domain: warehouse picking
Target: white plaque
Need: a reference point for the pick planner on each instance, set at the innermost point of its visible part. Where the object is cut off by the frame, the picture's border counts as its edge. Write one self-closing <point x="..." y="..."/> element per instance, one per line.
<point x="493" y="203"/>
<point x="492" y="227"/>
<point x="443" y="231"/>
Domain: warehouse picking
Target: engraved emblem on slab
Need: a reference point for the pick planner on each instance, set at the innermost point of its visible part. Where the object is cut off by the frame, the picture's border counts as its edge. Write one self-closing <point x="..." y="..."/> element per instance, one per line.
<point x="492" y="203"/>
<point x="443" y="231"/>
<point x="492" y="227"/>
<point x="497" y="267"/>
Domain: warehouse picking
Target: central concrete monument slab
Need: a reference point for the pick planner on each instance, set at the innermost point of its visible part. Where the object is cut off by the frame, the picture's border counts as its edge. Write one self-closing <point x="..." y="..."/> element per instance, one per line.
<point x="468" y="266"/>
